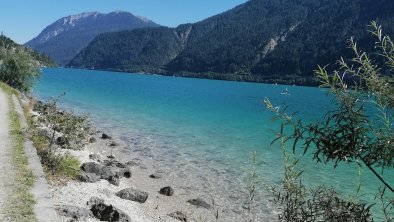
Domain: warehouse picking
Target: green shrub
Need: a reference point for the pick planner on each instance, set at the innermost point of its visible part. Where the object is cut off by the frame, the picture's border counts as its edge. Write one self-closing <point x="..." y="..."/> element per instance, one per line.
<point x="18" y="68"/>
<point x="73" y="128"/>
<point x="358" y="129"/>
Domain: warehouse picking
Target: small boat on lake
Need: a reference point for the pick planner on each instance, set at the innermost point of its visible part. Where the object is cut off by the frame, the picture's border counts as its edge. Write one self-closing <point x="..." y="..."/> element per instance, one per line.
<point x="286" y="92"/>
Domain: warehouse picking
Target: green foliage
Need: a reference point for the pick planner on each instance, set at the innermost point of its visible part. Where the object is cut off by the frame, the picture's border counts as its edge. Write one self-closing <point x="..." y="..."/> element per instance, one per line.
<point x="73" y="128"/>
<point x="127" y="49"/>
<point x="39" y="58"/>
<point x="298" y="204"/>
<point x="19" y="65"/>
<point x="260" y="40"/>
<point x="17" y="68"/>
<point x="359" y="129"/>
<point x="58" y="166"/>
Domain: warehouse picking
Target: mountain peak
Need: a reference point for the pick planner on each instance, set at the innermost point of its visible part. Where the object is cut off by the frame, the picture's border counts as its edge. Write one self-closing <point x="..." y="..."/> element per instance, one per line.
<point x="64" y="38"/>
<point x="120" y="11"/>
<point x="72" y="19"/>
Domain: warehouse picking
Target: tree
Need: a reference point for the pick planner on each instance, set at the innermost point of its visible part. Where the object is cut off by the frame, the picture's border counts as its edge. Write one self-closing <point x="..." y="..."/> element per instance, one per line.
<point x="18" y="68"/>
<point x="359" y="129"/>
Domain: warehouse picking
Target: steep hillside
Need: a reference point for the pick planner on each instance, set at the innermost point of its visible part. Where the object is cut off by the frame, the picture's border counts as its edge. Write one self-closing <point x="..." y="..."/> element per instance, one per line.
<point x="260" y="40"/>
<point x="63" y="39"/>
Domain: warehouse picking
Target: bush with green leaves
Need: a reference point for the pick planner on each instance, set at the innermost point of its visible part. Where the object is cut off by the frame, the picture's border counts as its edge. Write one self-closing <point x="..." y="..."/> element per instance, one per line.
<point x="74" y="129"/>
<point x="18" y="68"/>
<point x="358" y="129"/>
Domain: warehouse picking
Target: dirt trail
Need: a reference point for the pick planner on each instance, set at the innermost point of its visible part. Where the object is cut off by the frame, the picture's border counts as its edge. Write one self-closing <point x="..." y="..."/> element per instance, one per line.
<point x="5" y="155"/>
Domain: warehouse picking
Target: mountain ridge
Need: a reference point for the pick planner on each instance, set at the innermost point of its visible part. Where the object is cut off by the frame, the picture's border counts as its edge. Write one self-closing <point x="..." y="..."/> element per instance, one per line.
<point x="260" y="40"/>
<point x="63" y="39"/>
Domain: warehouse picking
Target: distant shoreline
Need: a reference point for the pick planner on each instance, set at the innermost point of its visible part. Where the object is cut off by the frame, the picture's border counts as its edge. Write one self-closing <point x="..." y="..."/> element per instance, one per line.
<point x="286" y="80"/>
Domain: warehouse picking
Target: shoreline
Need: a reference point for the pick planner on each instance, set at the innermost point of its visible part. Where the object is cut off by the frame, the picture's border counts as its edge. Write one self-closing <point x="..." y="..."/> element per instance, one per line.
<point x="156" y="208"/>
<point x="286" y="80"/>
<point x="230" y="202"/>
<point x="193" y="198"/>
<point x="187" y="203"/>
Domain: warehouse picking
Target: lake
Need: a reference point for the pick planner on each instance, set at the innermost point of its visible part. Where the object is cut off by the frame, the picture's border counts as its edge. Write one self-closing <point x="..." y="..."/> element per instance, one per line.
<point x="202" y="132"/>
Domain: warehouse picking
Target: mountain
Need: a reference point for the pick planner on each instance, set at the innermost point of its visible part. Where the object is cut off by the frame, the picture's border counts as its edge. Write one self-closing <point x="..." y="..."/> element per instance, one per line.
<point x="63" y="39"/>
<point x="261" y="40"/>
<point x="8" y="44"/>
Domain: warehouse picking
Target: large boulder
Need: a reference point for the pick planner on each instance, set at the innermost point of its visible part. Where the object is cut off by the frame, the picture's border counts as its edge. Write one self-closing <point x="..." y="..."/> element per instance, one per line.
<point x="88" y="177"/>
<point x="114" y="168"/>
<point x="114" y="180"/>
<point x="110" y="170"/>
<point x="105" y="212"/>
<point x="133" y="195"/>
<point x="92" y="167"/>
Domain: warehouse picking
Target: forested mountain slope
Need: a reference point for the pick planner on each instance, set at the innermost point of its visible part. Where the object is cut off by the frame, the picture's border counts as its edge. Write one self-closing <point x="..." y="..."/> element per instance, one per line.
<point x="260" y="40"/>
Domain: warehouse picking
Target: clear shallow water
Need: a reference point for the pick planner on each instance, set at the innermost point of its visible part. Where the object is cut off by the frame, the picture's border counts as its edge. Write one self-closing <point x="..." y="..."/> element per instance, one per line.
<point x="200" y="132"/>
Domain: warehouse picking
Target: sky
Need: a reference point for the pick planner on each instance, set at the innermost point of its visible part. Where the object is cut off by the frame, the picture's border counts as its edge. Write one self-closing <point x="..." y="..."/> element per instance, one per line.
<point x="22" y="20"/>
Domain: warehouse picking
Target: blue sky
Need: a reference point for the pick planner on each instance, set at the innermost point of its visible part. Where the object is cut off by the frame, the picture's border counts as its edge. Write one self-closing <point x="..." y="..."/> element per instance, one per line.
<point x="22" y="20"/>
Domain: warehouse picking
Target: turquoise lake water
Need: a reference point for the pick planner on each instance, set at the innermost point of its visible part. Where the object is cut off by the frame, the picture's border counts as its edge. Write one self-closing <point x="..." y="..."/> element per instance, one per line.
<point x="201" y="132"/>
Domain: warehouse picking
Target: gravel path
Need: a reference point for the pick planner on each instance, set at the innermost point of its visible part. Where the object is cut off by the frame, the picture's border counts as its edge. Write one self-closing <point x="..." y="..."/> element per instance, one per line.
<point x="43" y="209"/>
<point x="5" y="157"/>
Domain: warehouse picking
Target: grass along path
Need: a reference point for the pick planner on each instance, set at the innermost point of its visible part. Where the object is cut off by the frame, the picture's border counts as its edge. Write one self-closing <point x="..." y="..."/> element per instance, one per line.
<point x="16" y="180"/>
